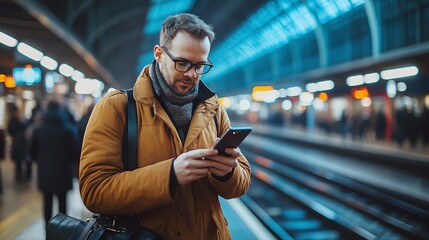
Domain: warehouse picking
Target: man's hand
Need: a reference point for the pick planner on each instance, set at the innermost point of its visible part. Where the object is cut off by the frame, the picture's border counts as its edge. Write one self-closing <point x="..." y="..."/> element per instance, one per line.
<point x="190" y="166"/>
<point x="222" y="165"/>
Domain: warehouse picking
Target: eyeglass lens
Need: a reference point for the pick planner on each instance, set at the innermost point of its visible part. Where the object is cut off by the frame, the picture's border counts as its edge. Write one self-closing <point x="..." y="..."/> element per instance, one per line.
<point x="183" y="66"/>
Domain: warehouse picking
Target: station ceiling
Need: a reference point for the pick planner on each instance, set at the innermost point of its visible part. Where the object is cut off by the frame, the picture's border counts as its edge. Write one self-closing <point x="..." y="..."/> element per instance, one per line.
<point x="107" y="40"/>
<point x="112" y="40"/>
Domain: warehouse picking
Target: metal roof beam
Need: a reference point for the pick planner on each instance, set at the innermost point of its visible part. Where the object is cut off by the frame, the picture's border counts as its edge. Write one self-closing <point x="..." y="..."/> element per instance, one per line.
<point x="46" y="18"/>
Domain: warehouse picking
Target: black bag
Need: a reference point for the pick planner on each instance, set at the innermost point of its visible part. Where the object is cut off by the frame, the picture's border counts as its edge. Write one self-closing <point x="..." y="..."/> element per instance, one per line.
<point x="63" y="227"/>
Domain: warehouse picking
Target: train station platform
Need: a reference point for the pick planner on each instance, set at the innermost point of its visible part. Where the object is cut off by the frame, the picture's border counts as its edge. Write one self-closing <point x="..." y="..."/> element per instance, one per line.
<point x="21" y="202"/>
<point x="21" y="211"/>
<point x="393" y="169"/>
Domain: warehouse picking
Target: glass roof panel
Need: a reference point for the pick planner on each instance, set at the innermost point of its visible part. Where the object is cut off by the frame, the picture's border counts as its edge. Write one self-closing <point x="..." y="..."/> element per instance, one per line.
<point x="327" y="10"/>
<point x="160" y="9"/>
<point x="273" y="26"/>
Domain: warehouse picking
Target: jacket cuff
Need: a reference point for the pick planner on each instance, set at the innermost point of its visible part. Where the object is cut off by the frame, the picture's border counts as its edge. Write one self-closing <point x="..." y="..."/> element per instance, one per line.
<point x="174" y="183"/>
<point x="224" y="178"/>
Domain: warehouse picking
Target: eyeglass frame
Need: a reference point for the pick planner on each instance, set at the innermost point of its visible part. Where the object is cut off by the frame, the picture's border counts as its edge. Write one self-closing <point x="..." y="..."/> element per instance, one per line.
<point x="175" y="60"/>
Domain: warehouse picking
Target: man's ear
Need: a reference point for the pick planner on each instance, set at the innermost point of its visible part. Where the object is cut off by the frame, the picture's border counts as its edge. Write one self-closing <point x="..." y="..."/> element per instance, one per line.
<point x="157" y="50"/>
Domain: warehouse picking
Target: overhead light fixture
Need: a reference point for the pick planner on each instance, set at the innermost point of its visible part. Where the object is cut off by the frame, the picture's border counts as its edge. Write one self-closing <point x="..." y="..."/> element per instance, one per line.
<point x="49" y="63"/>
<point x="354" y="80"/>
<point x="371" y="78"/>
<point x="7" y="40"/>
<point x="66" y="70"/>
<point x="77" y="75"/>
<point x="399" y="72"/>
<point x="87" y="86"/>
<point x="293" y="91"/>
<point x="311" y="87"/>
<point x="265" y="94"/>
<point x="29" y="51"/>
<point x="325" y="85"/>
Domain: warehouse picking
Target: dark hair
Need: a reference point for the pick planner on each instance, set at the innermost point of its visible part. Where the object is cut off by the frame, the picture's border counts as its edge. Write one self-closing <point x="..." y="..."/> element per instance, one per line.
<point x="53" y="105"/>
<point x="184" y="22"/>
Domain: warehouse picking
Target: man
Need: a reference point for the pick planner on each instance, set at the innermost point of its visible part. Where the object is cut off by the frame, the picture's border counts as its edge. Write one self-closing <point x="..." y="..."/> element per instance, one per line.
<point x="175" y="189"/>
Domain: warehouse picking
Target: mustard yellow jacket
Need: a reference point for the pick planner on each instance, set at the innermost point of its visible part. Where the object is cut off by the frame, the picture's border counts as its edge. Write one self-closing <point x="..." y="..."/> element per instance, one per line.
<point x="194" y="212"/>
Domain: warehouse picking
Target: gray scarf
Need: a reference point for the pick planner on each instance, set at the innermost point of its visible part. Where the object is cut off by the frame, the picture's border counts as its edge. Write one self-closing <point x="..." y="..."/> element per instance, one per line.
<point x="178" y="107"/>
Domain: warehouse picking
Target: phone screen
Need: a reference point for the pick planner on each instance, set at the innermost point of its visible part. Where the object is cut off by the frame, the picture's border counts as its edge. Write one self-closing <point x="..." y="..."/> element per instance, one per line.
<point x="232" y="138"/>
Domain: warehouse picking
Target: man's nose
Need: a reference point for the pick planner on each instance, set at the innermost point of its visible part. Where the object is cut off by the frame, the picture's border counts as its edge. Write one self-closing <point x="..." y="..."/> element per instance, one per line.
<point x="191" y="73"/>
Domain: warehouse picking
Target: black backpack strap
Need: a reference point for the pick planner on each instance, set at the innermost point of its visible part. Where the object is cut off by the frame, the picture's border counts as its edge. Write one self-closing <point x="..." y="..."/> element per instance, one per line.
<point x="129" y="142"/>
<point x="87" y="230"/>
<point x="216" y="125"/>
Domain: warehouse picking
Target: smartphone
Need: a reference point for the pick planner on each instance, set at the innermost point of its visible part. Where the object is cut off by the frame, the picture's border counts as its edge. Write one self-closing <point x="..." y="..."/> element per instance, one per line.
<point x="231" y="139"/>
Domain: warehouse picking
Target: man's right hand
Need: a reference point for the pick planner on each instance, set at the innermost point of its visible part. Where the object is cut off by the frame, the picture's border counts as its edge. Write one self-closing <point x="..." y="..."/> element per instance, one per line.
<point x="190" y="166"/>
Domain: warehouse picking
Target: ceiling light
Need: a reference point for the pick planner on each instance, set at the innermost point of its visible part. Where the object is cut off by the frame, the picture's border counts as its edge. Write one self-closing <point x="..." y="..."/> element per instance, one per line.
<point x="66" y="70"/>
<point x="293" y="91"/>
<point x="29" y="51"/>
<point x="49" y="63"/>
<point x="371" y="78"/>
<point x="77" y="75"/>
<point x="325" y="85"/>
<point x="354" y="80"/>
<point x="7" y="40"/>
<point x="399" y="72"/>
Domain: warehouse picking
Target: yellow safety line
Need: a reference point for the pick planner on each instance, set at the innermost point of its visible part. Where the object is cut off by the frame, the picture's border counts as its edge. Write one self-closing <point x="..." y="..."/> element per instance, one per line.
<point x="18" y="221"/>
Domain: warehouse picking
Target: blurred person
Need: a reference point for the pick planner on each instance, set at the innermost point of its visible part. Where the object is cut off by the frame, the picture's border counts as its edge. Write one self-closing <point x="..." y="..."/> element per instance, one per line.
<point x="414" y="126"/>
<point x="2" y="155"/>
<point x="35" y="120"/>
<point x="54" y="146"/>
<point x="36" y="111"/>
<point x="16" y="128"/>
<point x="344" y="124"/>
<point x="404" y="120"/>
<point x="175" y="189"/>
<point x="380" y="125"/>
<point x="276" y="117"/>
<point x="425" y="125"/>
<point x="66" y="109"/>
<point x="2" y="144"/>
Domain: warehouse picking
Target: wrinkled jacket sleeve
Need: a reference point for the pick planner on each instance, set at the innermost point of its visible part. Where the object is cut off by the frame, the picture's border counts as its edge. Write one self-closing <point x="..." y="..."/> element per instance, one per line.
<point x="239" y="182"/>
<point x="107" y="189"/>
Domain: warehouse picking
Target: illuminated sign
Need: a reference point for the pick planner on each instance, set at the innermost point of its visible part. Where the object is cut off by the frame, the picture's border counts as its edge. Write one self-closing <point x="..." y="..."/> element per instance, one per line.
<point x="27" y="76"/>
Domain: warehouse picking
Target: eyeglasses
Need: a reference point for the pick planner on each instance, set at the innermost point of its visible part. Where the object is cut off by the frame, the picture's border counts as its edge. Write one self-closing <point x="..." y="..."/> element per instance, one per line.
<point x="184" y="66"/>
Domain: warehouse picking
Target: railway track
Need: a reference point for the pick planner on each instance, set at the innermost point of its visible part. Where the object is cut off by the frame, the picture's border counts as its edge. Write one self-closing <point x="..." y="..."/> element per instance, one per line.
<point x="298" y="201"/>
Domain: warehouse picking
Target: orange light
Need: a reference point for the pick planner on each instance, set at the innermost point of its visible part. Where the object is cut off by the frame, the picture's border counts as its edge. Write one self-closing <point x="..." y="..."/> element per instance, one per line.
<point x="225" y="102"/>
<point x="262" y="88"/>
<point x="9" y="82"/>
<point x="253" y="117"/>
<point x="2" y="77"/>
<point x="323" y="96"/>
<point x="263" y="161"/>
<point x="28" y="66"/>
<point x="261" y="93"/>
<point x="360" y="93"/>
<point x="263" y="176"/>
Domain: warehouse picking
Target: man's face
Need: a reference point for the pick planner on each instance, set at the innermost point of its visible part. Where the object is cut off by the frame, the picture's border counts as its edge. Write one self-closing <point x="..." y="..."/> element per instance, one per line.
<point x="187" y="48"/>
